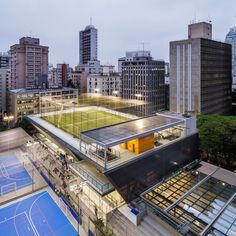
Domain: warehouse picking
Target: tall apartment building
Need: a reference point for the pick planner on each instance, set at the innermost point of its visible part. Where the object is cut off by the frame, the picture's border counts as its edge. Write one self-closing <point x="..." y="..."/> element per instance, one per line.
<point x="5" y="82"/>
<point x="4" y="61"/>
<point x="28" y="60"/>
<point x="231" y="39"/>
<point x="200" y="74"/>
<point x="143" y="78"/>
<point x="88" y="44"/>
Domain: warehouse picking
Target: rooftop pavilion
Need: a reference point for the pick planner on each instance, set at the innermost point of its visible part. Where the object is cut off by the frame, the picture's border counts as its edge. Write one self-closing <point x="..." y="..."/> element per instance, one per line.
<point x="119" y="133"/>
<point x="114" y="145"/>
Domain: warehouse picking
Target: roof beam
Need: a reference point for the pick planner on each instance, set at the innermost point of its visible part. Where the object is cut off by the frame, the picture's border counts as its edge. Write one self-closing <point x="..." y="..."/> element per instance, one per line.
<point x="191" y="190"/>
<point x="217" y="215"/>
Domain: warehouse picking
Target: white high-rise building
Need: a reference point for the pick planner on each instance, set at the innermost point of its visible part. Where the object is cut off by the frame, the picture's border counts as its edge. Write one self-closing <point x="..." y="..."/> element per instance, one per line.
<point x="88" y="44"/>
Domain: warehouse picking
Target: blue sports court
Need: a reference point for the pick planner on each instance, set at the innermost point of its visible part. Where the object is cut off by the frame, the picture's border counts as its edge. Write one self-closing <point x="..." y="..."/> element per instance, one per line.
<point x="13" y="175"/>
<point x="34" y="216"/>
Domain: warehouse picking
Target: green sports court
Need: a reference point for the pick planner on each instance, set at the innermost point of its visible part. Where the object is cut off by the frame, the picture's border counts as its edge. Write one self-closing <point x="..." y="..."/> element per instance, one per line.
<point x="77" y="121"/>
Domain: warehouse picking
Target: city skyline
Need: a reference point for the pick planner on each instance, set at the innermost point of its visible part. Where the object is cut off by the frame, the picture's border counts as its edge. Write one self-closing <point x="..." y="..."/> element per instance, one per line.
<point x="45" y="20"/>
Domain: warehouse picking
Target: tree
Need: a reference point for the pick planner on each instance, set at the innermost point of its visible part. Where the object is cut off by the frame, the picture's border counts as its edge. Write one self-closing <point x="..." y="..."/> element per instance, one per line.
<point x="218" y="139"/>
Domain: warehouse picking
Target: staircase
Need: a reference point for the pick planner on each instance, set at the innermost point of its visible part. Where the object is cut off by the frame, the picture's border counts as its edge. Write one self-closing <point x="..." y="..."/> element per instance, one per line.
<point x="122" y="226"/>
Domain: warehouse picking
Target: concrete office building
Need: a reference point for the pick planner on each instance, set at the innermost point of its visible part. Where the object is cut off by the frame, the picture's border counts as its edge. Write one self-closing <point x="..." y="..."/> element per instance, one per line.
<point x="143" y="78"/>
<point x="92" y="67"/>
<point x="5" y="83"/>
<point x="28" y="60"/>
<point x="4" y="61"/>
<point x="104" y="84"/>
<point x="231" y="39"/>
<point x="34" y="101"/>
<point x="88" y="44"/>
<point x="200" y="75"/>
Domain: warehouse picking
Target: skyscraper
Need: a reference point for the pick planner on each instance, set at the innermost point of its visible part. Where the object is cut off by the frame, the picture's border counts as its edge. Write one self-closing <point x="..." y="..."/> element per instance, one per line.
<point x="200" y="75"/>
<point x="143" y="78"/>
<point x="88" y="44"/>
<point x="29" y="60"/>
<point x="231" y="39"/>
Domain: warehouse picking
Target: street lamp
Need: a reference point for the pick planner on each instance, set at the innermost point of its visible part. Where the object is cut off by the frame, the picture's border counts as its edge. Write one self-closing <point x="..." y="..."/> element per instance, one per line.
<point x="8" y="119"/>
<point x="96" y="90"/>
<point x="115" y="92"/>
<point x="139" y="95"/>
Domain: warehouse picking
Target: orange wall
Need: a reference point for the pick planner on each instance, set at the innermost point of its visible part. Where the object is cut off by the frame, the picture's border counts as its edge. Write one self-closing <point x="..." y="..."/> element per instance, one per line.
<point x="139" y="145"/>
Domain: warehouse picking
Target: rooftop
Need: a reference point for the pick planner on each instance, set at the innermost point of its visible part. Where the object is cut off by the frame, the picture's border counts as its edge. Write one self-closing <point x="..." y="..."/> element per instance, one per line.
<point x="35" y="90"/>
<point x="116" y="134"/>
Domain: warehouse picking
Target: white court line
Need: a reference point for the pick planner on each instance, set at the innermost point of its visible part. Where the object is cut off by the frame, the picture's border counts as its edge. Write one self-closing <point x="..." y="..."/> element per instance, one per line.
<point x="8" y="176"/>
<point x="1" y="222"/>
<point x="31" y="210"/>
<point x="32" y="226"/>
<point x="2" y="167"/>
<point x="14" y="217"/>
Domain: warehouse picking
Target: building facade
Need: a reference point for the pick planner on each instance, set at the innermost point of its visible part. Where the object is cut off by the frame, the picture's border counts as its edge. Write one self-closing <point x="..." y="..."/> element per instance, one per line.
<point x="231" y="39"/>
<point x="143" y="78"/>
<point x="92" y="67"/>
<point x="108" y="85"/>
<point x="34" y="101"/>
<point x="4" y="61"/>
<point x="5" y="84"/>
<point x="88" y="44"/>
<point x="78" y="80"/>
<point x="28" y="60"/>
<point x="52" y="77"/>
<point x="200" y="76"/>
<point x="63" y="74"/>
<point x="200" y="30"/>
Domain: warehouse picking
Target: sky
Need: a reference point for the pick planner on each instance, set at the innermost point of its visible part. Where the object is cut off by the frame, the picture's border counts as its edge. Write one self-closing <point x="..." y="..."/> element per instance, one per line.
<point x="123" y="25"/>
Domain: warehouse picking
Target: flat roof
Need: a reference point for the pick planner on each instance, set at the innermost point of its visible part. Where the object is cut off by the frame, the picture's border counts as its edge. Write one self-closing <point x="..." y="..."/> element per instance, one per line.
<point x="112" y="135"/>
<point x="40" y="90"/>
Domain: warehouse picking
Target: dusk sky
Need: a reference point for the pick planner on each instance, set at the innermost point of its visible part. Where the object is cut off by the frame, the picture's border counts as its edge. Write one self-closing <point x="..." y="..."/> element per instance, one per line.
<point x="122" y="24"/>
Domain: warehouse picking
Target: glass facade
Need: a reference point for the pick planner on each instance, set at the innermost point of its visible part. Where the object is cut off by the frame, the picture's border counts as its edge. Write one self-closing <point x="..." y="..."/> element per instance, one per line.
<point x="137" y="176"/>
<point x="231" y="39"/>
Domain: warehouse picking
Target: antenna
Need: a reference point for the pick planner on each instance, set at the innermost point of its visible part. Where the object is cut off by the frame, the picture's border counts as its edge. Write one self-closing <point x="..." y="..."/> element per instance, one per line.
<point x="91" y="20"/>
<point x="143" y="45"/>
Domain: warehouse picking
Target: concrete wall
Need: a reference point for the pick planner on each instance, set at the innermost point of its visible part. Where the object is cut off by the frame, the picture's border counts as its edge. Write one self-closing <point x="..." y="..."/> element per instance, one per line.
<point x="185" y="69"/>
